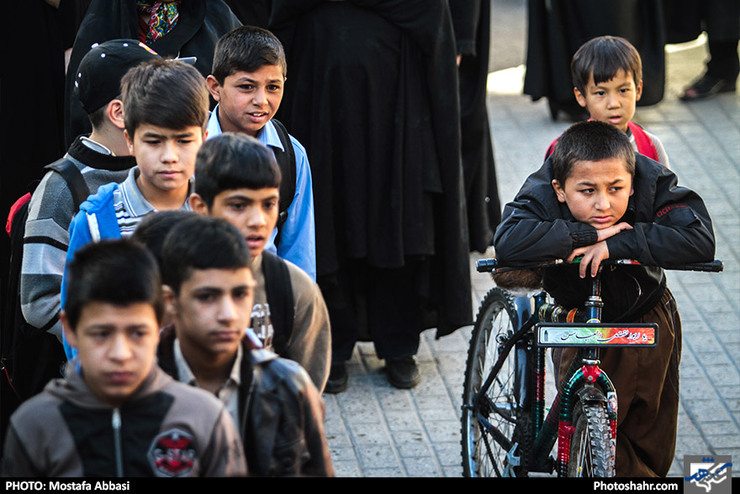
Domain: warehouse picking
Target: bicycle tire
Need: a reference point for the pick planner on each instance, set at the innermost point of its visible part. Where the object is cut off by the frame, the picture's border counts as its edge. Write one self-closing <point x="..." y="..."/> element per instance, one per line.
<point x="591" y="447"/>
<point x="484" y="452"/>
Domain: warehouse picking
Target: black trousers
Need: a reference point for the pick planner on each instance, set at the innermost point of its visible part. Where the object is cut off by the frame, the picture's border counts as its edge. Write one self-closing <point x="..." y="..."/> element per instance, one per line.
<point x="374" y="304"/>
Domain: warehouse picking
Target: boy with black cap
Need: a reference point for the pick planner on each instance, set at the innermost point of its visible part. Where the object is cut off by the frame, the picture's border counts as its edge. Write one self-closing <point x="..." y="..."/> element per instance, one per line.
<point x="96" y="159"/>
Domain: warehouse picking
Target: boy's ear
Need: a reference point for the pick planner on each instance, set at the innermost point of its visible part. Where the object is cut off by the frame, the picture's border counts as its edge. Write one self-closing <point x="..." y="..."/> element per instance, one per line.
<point x="638" y="91"/>
<point x="197" y="204"/>
<point x="214" y="87"/>
<point x="114" y="112"/>
<point x="129" y="141"/>
<point x="69" y="333"/>
<point x="579" y="97"/>
<point x="559" y="191"/>
<point x="170" y="307"/>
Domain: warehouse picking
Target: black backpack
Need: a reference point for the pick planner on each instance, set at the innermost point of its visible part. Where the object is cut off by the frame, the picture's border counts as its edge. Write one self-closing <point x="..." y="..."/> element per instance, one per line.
<point x="29" y="356"/>
<point x="279" y="295"/>
<point x="287" y="163"/>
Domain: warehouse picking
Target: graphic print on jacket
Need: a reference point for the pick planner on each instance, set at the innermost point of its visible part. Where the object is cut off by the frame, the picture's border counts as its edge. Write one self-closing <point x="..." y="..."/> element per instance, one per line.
<point x="107" y="439"/>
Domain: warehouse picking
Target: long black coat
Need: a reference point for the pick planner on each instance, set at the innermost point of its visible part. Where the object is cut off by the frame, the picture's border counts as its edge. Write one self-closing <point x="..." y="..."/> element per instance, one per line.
<point x="199" y="27"/>
<point x="372" y="94"/>
<point x="557" y="28"/>
<point x="472" y="25"/>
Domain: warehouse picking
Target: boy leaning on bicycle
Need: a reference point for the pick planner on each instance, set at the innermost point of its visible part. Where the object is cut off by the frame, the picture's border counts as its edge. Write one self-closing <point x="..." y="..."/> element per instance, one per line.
<point x="594" y="199"/>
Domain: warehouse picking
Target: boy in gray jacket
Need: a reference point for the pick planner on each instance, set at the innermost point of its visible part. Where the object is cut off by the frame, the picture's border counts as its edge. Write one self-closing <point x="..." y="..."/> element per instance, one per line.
<point x="116" y="413"/>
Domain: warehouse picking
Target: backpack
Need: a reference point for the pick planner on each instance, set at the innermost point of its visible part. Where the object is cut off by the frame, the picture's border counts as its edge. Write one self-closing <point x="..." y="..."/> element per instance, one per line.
<point x="287" y="163"/>
<point x="279" y="295"/>
<point x="29" y="356"/>
<point x="644" y="144"/>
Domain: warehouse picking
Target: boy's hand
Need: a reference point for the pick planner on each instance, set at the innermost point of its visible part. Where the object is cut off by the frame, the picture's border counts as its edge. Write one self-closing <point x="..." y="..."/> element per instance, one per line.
<point x="612" y="230"/>
<point x="592" y="255"/>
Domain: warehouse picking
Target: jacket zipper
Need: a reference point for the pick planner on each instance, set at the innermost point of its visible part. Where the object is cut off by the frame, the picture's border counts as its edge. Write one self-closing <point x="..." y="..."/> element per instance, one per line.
<point x="116" y="423"/>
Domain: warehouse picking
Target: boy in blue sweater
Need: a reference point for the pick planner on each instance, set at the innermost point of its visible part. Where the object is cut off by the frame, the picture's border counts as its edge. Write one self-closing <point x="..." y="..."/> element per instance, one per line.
<point x="167" y="106"/>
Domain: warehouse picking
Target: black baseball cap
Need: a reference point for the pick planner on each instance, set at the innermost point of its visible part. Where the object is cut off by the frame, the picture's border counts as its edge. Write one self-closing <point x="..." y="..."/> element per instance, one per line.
<point x="98" y="78"/>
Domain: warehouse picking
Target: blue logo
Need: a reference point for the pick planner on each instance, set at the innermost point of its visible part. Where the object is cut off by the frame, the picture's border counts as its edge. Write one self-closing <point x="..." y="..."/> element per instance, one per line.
<point x="707" y="474"/>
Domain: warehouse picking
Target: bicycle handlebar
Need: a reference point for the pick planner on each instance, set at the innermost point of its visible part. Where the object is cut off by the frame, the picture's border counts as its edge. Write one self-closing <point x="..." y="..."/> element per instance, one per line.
<point x="492" y="265"/>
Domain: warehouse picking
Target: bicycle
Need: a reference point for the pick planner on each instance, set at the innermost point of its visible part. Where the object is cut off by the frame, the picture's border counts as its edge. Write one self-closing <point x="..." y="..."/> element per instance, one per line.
<point x="504" y="429"/>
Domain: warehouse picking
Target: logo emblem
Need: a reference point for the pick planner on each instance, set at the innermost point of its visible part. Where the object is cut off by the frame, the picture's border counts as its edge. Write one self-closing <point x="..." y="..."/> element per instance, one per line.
<point x="707" y="474"/>
<point x="172" y="454"/>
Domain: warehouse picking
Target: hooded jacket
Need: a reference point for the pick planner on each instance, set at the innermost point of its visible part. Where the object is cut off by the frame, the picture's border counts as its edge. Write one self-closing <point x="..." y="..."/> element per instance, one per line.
<point x="165" y="429"/>
<point x="281" y="413"/>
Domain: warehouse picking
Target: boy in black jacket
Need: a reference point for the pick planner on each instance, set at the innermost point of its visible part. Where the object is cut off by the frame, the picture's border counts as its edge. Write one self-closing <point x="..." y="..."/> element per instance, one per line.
<point x="239" y="180"/>
<point x="209" y="288"/>
<point x="597" y="199"/>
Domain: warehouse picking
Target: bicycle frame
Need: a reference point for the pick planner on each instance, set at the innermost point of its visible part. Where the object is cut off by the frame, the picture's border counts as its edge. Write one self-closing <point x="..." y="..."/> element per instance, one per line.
<point x="531" y="319"/>
<point x="584" y="380"/>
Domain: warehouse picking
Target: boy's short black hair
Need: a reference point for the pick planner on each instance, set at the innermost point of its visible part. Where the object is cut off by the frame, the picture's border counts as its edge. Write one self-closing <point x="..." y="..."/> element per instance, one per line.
<point x="603" y="57"/>
<point x="119" y="272"/>
<point x="166" y="93"/>
<point x="153" y="229"/>
<point x="202" y="242"/>
<point x="234" y="161"/>
<point x="247" y="48"/>
<point x="590" y="141"/>
<point x="97" y="117"/>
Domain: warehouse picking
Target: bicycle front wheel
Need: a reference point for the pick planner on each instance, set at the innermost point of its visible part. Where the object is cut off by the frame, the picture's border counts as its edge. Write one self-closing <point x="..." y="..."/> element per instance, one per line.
<point x="591" y="447"/>
<point x="494" y="430"/>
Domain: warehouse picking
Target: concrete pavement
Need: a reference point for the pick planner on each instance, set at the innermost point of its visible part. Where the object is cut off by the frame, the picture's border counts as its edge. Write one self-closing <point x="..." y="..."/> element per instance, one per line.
<point x="375" y="430"/>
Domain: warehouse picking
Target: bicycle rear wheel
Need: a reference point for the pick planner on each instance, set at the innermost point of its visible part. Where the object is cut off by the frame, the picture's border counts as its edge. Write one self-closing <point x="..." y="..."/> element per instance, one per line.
<point x="496" y="435"/>
<point x="591" y="449"/>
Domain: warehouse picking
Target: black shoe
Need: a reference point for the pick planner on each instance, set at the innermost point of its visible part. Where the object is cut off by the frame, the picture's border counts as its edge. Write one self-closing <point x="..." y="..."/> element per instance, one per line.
<point x="403" y="372"/>
<point x="337" y="381"/>
<point x="705" y="86"/>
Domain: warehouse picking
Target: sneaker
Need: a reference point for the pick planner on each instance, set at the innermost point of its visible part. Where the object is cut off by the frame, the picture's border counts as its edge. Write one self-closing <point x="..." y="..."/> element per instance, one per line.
<point x="338" y="378"/>
<point x="705" y="86"/>
<point x="403" y="372"/>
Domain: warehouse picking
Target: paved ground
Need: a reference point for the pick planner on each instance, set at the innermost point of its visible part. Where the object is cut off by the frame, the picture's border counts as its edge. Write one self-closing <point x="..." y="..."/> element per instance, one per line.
<point x="375" y="430"/>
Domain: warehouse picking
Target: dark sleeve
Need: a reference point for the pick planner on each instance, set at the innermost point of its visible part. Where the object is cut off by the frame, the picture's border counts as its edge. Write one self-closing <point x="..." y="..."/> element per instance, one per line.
<point x="16" y="460"/>
<point x="533" y="227"/>
<point x="676" y="229"/>
<point x="465" y="14"/>
<point x="319" y="462"/>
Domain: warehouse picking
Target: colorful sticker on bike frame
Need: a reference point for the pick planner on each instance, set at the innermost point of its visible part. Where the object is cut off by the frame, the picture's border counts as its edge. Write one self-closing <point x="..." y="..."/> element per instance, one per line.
<point x="573" y="335"/>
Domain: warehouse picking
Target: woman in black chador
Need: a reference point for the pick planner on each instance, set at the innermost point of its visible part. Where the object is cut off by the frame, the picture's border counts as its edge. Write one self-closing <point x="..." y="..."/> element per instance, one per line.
<point x="557" y="28"/>
<point x="372" y="94"/>
<point x="174" y="28"/>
